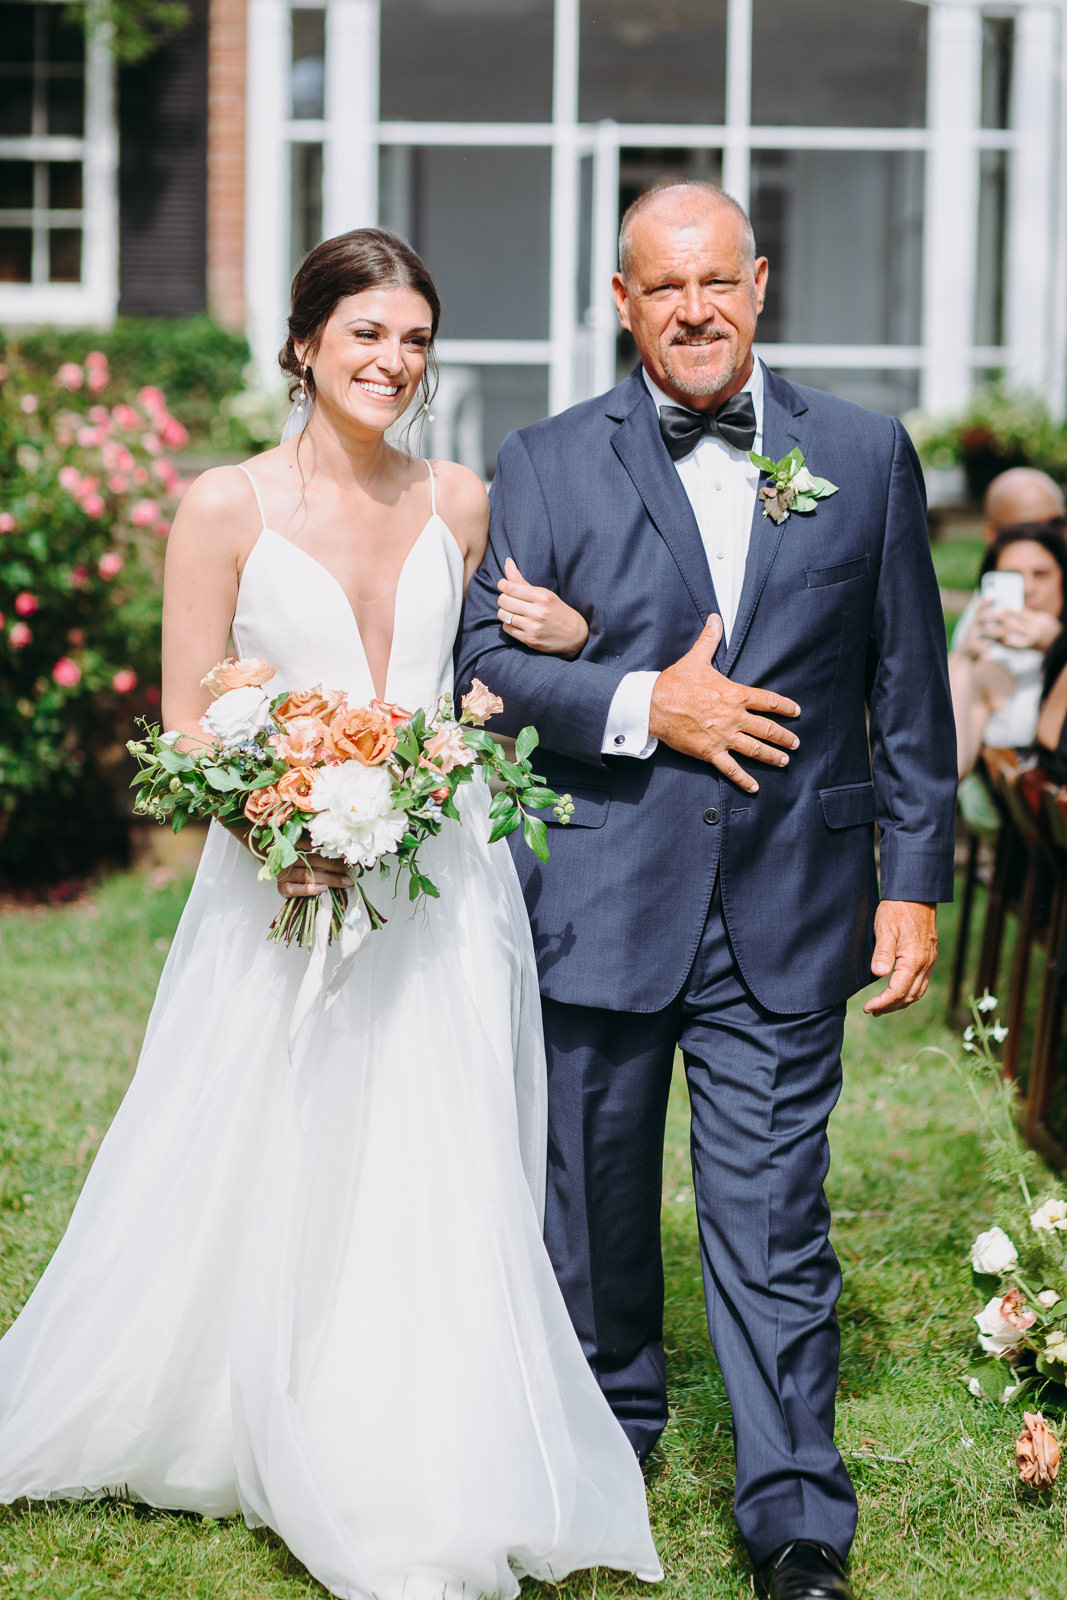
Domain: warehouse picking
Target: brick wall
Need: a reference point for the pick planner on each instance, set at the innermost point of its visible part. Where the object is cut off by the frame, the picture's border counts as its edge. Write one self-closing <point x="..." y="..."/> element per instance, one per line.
<point x="226" y="162"/>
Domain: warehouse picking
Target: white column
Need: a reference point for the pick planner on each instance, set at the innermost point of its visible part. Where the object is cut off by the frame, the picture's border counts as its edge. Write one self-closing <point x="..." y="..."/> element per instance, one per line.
<point x="1032" y="205"/>
<point x="1058" y="340"/>
<point x="565" y="190"/>
<point x="100" y="236"/>
<point x="736" y="162"/>
<point x="951" y="207"/>
<point x="350" y="160"/>
<point x="605" y="255"/>
<point x="267" y="183"/>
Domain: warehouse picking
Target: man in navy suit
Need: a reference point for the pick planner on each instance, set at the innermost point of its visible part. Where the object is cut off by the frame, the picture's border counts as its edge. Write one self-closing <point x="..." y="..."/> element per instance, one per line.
<point x="687" y="904"/>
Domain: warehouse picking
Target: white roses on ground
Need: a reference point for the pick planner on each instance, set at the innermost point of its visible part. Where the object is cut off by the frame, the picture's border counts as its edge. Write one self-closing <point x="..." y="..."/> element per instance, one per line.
<point x="993" y="1252"/>
<point x="1051" y="1217"/>
<point x="355" y="816"/>
<point x="237" y="716"/>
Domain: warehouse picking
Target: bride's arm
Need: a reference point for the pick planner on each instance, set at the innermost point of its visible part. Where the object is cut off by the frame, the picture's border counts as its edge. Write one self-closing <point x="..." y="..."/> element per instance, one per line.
<point x="538" y="618"/>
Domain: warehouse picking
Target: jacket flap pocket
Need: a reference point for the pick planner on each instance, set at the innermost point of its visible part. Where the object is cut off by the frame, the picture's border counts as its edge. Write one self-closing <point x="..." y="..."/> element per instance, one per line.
<point x="590" y="808"/>
<point x="821" y="577"/>
<point x="848" y="807"/>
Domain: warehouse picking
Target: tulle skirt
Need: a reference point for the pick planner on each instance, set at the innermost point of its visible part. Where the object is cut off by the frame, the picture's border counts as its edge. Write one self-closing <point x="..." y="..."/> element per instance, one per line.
<point x="310" y="1285"/>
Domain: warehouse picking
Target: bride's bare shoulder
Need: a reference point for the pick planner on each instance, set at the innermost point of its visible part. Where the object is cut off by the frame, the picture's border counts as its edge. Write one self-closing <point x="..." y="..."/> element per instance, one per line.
<point x="219" y="507"/>
<point x="462" y="502"/>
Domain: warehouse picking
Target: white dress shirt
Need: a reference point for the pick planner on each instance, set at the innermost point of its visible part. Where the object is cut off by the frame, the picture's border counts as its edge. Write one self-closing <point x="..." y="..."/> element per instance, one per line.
<point x="721" y="484"/>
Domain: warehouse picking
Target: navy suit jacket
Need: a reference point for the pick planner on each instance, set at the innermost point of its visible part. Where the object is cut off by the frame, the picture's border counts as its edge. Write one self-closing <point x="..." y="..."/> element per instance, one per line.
<point x="839" y="610"/>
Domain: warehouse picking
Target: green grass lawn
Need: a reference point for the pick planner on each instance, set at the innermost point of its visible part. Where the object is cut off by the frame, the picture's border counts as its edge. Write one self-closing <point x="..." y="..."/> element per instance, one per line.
<point x="941" y="1514"/>
<point x="956" y="562"/>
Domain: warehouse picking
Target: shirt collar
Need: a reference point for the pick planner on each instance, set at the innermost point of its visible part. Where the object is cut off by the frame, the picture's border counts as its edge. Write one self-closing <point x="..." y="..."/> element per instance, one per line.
<point x="753" y="386"/>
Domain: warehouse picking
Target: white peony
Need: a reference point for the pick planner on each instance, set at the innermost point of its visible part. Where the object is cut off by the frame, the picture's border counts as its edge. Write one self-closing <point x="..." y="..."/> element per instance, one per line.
<point x="1051" y="1217"/>
<point x="993" y="1251"/>
<point x="996" y="1334"/>
<point x="237" y="716"/>
<point x="355" y="817"/>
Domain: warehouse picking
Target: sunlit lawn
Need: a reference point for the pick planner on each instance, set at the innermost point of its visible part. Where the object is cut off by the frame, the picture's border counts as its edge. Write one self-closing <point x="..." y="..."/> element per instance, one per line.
<point x="942" y="1516"/>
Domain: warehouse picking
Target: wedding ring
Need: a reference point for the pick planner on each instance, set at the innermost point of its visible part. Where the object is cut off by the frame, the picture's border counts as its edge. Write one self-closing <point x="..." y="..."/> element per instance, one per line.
<point x="507" y="618"/>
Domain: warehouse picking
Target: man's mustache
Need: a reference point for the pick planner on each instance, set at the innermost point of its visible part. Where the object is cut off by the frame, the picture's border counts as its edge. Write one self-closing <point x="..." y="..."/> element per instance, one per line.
<point x="698" y="335"/>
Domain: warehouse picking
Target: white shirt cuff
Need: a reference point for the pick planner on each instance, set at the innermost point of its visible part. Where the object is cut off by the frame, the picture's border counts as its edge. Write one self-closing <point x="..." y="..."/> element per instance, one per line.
<point x="627" y="732"/>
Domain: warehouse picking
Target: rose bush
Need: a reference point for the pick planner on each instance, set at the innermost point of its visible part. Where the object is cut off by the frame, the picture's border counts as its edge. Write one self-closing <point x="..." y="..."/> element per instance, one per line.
<point x="87" y="491"/>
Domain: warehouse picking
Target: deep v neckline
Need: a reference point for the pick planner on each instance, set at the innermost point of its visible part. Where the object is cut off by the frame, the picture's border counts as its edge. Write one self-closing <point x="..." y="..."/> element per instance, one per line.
<point x="339" y="588"/>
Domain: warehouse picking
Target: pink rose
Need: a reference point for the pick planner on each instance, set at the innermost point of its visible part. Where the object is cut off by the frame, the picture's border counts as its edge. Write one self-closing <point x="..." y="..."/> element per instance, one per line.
<point x="96" y="361"/>
<point x="152" y="443"/>
<point x="250" y="672"/>
<point x="161" y="528"/>
<point x="153" y="399"/>
<point x="70" y="376"/>
<point x="124" y="680"/>
<point x="481" y="704"/>
<point x="20" y="635"/>
<point x="118" y="484"/>
<point x="67" y="673"/>
<point x="144" y="513"/>
<point x="70" y="479"/>
<point x="110" y="564"/>
<point x="79" y="577"/>
<point x="173" y="434"/>
<point x="97" y="380"/>
<point x="125" y="416"/>
<point x="26" y="603"/>
<point x="93" y="506"/>
<point x="152" y="694"/>
<point x="7" y="522"/>
<point x="448" y="749"/>
<point x="75" y="638"/>
<point x="29" y="404"/>
<point x="139" y="476"/>
<point x="101" y="416"/>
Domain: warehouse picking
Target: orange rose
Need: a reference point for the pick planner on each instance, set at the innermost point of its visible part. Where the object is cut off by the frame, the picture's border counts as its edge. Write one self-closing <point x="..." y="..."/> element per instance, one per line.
<point x="266" y="805"/>
<point x="248" y="673"/>
<point x="361" y="735"/>
<point x="396" y="714"/>
<point x="316" y="702"/>
<point x="301" y="743"/>
<point x="1037" y="1452"/>
<point x="294" y="787"/>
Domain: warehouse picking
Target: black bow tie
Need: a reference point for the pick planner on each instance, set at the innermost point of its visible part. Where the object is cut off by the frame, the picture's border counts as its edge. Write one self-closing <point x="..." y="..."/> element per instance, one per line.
<point x="735" y="421"/>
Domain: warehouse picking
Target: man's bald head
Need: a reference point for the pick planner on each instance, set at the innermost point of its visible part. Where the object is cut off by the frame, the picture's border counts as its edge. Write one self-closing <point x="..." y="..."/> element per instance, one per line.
<point x="680" y="201"/>
<point x="1022" y="494"/>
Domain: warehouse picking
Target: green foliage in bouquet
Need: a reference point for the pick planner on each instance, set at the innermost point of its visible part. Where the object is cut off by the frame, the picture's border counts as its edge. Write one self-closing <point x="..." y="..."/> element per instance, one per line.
<point x="87" y="489"/>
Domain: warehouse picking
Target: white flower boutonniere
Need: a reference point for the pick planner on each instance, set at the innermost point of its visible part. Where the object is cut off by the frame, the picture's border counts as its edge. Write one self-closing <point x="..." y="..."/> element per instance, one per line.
<point x="792" y="486"/>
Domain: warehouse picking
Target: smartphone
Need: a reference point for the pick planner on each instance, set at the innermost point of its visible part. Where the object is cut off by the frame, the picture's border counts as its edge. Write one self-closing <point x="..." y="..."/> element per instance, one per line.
<point x="1005" y="590"/>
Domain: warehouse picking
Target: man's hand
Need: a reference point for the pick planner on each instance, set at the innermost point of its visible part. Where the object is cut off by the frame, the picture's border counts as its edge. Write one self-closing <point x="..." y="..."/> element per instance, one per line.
<point x="905" y="936"/>
<point x="700" y="713"/>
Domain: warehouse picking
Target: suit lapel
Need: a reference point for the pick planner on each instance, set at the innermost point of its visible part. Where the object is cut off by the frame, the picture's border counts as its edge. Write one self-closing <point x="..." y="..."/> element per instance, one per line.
<point x="781" y="407"/>
<point x="641" y="450"/>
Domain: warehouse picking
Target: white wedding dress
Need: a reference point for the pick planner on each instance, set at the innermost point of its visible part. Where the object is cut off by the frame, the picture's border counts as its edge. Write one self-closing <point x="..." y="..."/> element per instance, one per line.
<point x="316" y="1292"/>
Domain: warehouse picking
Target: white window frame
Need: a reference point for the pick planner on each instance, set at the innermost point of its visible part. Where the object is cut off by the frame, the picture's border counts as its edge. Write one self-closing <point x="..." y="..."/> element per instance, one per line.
<point x="93" y="301"/>
<point x="580" y="355"/>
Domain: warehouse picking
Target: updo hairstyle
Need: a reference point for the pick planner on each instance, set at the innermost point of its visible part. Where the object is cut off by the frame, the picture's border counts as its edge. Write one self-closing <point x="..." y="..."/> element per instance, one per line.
<point x="366" y="258"/>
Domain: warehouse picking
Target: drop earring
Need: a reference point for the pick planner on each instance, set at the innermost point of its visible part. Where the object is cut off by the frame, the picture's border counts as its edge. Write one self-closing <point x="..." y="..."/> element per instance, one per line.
<point x="301" y="409"/>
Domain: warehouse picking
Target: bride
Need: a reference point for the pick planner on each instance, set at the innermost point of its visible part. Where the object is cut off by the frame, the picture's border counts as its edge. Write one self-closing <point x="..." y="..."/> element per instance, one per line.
<point x="313" y="1288"/>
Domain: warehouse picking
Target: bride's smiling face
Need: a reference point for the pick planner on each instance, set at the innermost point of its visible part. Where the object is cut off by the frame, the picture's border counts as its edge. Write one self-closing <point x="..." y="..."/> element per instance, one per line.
<point x="372" y="354"/>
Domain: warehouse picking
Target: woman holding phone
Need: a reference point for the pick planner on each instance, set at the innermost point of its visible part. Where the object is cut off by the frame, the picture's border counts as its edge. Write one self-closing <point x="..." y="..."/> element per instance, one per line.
<point x="996" y="664"/>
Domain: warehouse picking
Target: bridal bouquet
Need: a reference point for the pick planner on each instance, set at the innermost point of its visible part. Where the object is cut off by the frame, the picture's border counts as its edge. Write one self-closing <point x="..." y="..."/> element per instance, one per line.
<point x="366" y="785"/>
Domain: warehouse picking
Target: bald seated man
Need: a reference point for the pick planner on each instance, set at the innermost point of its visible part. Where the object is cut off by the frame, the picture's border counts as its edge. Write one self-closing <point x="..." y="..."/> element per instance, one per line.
<point x="1022" y="494"/>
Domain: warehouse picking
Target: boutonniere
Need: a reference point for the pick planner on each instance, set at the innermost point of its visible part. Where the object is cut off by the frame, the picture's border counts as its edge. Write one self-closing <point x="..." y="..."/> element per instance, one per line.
<point x="792" y="486"/>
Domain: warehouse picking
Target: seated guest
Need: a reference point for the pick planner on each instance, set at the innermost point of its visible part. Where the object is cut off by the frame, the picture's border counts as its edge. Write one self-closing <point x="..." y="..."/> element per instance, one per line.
<point x="997" y="660"/>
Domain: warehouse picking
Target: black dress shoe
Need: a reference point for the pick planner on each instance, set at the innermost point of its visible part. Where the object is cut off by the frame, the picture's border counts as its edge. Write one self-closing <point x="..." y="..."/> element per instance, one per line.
<point x="804" y="1570"/>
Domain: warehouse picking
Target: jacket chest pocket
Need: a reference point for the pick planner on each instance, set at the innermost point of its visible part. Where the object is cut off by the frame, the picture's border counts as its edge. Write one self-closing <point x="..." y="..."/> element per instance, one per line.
<point x="844" y="572"/>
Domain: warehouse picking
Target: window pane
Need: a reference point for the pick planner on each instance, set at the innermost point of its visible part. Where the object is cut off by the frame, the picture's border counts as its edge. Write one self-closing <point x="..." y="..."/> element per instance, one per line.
<point x="64" y="38"/>
<point x="16" y="185"/>
<point x="307" y="83"/>
<point x="65" y="185"/>
<point x="842" y="230"/>
<point x="466" y="60"/>
<point x="892" y="392"/>
<point x="16" y="107"/>
<point x="653" y="63"/>
<point x="998" y="46"/>
<point x="66" y="106"/>
<point x="17" y="32"/>
<point x="815" y="64"/>
<point x="992" y="237"/>
<point x="491" y="265"/>
<point x="306" y="201"/>
<point x="65" y="255"/>
<point x="16" y="255"/>
<point x="475" y="407"/>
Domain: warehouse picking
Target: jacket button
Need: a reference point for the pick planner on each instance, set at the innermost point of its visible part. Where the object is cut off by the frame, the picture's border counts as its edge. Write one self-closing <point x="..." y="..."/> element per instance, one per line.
<point x="711" y="816"/>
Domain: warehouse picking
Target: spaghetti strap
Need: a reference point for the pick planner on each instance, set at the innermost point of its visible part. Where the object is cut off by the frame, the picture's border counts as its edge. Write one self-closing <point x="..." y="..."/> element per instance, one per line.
<point x="433" y="490"/>
<point x="255" y="491"/>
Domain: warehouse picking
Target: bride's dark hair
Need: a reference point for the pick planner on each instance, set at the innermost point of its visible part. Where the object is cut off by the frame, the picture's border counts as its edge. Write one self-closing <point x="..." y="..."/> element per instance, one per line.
<point x="366" y="258"/>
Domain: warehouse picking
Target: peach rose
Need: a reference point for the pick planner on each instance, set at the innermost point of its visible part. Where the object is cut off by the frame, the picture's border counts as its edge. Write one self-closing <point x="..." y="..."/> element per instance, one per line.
<point x="301" y="743"/>
<point x="267" y="805"/>
<point x="396" y="714"/>
<point x="316" y="702"/>
<point x="247" y="673"/>
<point x="481" y="704"/>
<point x="361" y="735"/>
<point x="448" y="749"/>
<point x="1037" y="1452"/>
<point x="294" y="788"/>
